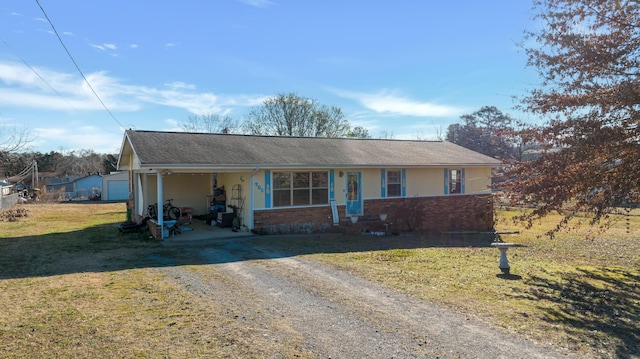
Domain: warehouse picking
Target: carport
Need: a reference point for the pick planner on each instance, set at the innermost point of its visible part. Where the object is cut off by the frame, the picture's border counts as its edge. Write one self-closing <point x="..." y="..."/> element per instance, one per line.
<point x="194" y="189"/>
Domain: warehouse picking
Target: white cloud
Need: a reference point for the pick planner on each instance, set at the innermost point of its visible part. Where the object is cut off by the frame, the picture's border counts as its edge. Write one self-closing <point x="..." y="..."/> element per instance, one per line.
<point x="83" y="137"/>
<point x="23" y="88"/>
<point x="171" y="122"/>
<point x="26" y="89"/>
<point x="173" y="125"/>
<point x="258" y="3"/>
<point x="389" y="102"/>
<point x="104" y="47"/>
<point x="179" y="85"/>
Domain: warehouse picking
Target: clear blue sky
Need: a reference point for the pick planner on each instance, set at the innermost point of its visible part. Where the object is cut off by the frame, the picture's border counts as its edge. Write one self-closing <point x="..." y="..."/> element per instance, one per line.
<point x="409" y="68"/>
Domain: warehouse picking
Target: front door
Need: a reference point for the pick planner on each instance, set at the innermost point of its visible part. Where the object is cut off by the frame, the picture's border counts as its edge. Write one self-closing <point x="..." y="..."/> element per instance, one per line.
<point x="353" y="194"/>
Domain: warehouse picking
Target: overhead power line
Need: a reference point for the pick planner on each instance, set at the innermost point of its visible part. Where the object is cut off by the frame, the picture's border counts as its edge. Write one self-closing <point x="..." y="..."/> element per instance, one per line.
<point x="36" y="72"/>
<point x="76" y="64"/>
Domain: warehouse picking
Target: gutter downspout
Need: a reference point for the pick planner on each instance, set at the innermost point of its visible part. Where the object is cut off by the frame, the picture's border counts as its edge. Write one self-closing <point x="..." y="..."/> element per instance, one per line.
<point x="251" y="195"/>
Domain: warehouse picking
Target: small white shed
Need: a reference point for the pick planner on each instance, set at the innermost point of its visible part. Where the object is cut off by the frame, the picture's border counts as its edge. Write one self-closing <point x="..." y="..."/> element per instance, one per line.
<point x="5" y="188"/>
<point x="115" y="186"/>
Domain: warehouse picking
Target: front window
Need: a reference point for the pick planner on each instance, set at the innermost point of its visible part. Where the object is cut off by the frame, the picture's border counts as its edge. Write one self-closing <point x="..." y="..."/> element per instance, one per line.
<point x="455" y="181"/>
<point x="394" y="183"/>
<point x="300" y="188"/>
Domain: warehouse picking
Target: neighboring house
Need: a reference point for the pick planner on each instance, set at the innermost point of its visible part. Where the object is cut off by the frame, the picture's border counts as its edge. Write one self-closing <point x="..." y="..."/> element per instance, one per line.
<point x="62" y="189"/>
<point x="82" y="187"/>
<point x="55" y="177"/>
<point x="294" y="184"/>
<point x="5" y="188"/>
<point x="7" y="198"/>
<point x="115" y="186"/>
<point x="89" y="186"/>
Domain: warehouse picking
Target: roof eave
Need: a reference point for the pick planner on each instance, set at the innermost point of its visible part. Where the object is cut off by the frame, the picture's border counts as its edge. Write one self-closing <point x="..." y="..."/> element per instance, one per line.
<point x="125" y="140"/>
<point x="153" y="167"/>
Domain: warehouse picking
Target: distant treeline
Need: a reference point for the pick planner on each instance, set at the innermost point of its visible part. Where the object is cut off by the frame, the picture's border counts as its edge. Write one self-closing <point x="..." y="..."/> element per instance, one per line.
<point x="67" y="163"/>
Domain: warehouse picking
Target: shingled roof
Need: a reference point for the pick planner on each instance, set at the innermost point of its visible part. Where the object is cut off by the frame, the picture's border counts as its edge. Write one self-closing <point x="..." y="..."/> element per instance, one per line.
<point x="198" y="150"/>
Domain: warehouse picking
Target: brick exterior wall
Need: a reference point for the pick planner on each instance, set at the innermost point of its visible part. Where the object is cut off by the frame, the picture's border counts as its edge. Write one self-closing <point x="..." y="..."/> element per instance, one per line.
<point x="408" y="214"/>
<point x="155" y="230"/>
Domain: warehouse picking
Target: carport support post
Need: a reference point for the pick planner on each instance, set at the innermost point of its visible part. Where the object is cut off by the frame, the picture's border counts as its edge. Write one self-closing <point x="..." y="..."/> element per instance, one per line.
<point x="160" y="202"/>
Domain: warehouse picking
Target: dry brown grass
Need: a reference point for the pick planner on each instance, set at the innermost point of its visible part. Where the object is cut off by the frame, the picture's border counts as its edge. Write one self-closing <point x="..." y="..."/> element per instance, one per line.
<point x="71" y="286"/>
<point x="580" y="290"/>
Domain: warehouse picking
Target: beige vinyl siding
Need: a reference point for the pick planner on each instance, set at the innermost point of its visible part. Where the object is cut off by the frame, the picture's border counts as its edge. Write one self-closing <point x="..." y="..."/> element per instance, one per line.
<point x="370" y="183"/>
<point x="425" y="182"/>
<point x="186" y="190"/>
<point x="259" y="192"/>
<point x="477" y="180"/>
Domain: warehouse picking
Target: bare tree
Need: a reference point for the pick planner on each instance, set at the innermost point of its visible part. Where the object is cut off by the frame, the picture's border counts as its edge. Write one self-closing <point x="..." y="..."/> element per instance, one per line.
<point x="212" y="123"/>
<point x="419" y="135"/>
<point x="13" y="140"/>
<point x="82" y="162"/>
<point x="292" y="115"/>
<point x="387" y="135"/>
<point x="359" y="132"/>
<point x="439" y="132"/>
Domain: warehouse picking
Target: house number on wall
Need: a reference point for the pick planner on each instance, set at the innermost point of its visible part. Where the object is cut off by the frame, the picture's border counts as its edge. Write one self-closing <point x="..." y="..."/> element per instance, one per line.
<point x="259" y="187"/>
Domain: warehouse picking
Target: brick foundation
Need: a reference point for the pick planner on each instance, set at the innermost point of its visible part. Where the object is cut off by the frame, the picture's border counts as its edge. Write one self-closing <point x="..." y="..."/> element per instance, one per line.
<point x="409" y="214"/>
<point x="155" y="230"/>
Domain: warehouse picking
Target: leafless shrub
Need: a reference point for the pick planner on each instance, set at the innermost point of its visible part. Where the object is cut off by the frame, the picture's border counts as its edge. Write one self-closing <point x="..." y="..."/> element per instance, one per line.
<point x="13" y="214"/>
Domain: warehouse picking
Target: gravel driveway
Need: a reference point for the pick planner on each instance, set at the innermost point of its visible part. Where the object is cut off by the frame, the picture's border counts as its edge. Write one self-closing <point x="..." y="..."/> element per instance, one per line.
<point x="327" y="313"/>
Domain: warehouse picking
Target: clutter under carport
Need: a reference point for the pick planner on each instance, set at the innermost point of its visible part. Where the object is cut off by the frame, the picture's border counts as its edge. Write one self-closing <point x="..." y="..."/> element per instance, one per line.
<point x="131" y="227"/>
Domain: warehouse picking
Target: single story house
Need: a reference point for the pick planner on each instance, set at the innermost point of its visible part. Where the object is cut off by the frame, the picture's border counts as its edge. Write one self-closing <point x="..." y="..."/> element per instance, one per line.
<point x="55" y="177"/>
<point x="62" y="189"/>
<point x="293" y="184"/>
<point x="88" y="186"/>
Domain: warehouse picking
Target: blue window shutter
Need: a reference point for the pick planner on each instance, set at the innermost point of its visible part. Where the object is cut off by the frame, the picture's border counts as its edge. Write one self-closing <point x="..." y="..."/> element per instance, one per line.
<point x="331" y="185"/>
<point x="404" y="182"/>
<point x="383" y="183"/>
<point x="267" y="188"/>
<point x="446" y="181"/>
<point x="462" y="181"/>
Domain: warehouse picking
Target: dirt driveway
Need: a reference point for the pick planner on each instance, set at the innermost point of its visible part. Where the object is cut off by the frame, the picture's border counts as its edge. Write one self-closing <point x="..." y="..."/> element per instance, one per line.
<point x="320" y="312"/>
